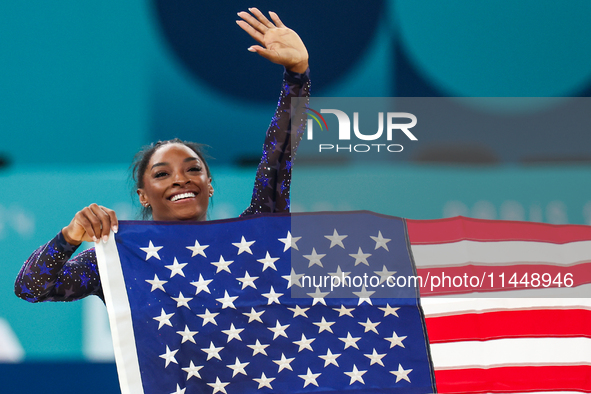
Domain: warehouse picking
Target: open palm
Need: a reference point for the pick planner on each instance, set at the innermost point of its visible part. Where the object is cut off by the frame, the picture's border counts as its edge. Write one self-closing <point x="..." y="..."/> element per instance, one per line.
<point x="279" y="43"/>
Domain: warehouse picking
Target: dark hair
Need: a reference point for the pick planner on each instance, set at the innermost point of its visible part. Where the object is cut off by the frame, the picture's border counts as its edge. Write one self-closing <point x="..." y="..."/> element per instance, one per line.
<point x="142" y="158"/>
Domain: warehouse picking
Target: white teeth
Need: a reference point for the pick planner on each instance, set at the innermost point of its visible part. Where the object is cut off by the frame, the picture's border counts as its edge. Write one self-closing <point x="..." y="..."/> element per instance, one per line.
<point x="181" y="196"/>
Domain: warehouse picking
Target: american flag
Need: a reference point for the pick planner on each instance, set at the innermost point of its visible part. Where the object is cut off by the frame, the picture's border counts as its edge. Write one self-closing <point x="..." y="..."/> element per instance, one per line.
<point x="211" y="307"/>
<point x="530" y="332"/>
<point x="208" y="307"/>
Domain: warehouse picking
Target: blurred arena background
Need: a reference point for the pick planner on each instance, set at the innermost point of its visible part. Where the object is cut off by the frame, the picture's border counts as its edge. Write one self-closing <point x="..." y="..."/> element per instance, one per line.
<point x="85" y="85"/>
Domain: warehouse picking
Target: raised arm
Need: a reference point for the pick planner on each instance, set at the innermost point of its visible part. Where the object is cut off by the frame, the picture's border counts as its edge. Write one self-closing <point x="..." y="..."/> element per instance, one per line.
<point x="283" y="46"/>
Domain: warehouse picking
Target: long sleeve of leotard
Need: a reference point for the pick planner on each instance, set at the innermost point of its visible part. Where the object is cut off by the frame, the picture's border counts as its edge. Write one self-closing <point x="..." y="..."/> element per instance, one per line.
<point x="51" y="274"/>
<point x="273" y="178"/>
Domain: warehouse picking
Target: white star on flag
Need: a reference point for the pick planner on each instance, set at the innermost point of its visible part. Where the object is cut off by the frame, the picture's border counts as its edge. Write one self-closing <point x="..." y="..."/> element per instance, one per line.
<point x="238" y="367"/>
<point x="310" y="378"/>
<point x="336" y="239"/>
<point x="259" y="348"/>
<point x="182" y="300"/>
<point x="375" y="358"/>
<point x="192" y="370"/>
<point x="388" y="310"/>
<point x="381" y="241"/>
<point x="323" y="325"/>
<point x="284" y="363"/>
<point x="344" y="311"/>
<point x="227" y="301"/>
<point x="268" y="262"/>
<point x="330" y="358"/>
<point x="401" y="374"/>
<point x="272" y="297"/>
<point x="360" y="257"/>
<point x="395" y="340"/>
<point x="222" y="265"/>
<point x="350" y="341"/>
<point x="290" y="242"/>
<point x="356" y="375"/>
<point x="157" y="283"/>
<point x="297" y="311"/>
<point x="384" y="274"/>
<point x="176" y="268"/>
<point x="212" y="351"/>
<point x="364" y="296"/>
<point x="233" y="333"/>
<point x="169" y="356"/>
<point x="278" y="330"/>
<point x="318" y="296"/>
<point x="253" y="315"/>
<point x="341" y="275"/>
<point x="187" y="335"/>
<point x="201" y="285"/>
<point x="264" y="381"/>
<point x="218" y="386"/>
<point x="243" y="246"/>
<point x="198" y="249"/>
<point x="314" y="258"/>
<point x="179" y="390"/>
<point x="208" y="317"/>
<point x="304" y="343"/>
<point x="152" y="251"/>
<point x="369" y="326"/>
<point x="163" y="319"/>
<point x="248" y="280"/>
<point x="293" y="279"/>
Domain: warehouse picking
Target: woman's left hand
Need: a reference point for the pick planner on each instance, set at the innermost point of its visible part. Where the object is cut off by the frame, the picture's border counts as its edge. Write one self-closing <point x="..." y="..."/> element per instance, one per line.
<point x="280" y="44"/>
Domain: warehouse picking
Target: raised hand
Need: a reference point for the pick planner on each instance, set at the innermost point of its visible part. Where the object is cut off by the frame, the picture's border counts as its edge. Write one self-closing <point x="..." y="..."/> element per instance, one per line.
<point x="279" y="43"/>
<point x="91" y="224"/>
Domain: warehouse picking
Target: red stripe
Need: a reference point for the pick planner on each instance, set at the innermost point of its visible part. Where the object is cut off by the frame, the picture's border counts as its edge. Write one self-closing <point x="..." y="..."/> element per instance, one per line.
<point x="468" y="278"/>
<point x="565" y="323"/>
<point x="461" y="228"/>
<point x="514" y="379"/>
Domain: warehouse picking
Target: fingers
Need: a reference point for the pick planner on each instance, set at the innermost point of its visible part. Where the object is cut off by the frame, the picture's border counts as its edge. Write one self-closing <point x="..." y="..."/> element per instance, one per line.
<point x="262" y="18"/>
<point x="278" y="43"/>
<point x="253" y="22"/>
<point x="97" y="222"/>
<point x="258" y="36"/>
<point x="257" y="25"/>
<point x="276" y="19"/>
<point x="113" y="219"/>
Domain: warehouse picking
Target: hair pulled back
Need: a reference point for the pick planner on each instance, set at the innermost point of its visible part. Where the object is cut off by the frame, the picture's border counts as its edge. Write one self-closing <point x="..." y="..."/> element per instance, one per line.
<point x="142" y="158"/>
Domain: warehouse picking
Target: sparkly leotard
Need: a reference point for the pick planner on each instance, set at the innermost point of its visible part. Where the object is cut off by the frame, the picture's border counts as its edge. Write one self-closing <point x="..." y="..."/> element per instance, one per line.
<point x="50" y="274"/>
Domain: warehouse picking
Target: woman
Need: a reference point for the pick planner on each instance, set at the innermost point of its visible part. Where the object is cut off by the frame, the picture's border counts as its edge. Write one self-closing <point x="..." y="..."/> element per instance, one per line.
<point x="173" y="180"/>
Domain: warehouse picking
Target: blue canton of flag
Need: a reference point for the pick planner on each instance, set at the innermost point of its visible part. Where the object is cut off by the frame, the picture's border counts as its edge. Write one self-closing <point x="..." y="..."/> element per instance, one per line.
<point x="207" y="308"/>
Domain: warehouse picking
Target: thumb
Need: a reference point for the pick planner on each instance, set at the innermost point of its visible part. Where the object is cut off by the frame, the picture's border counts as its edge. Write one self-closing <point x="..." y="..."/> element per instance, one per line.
<point x="264" y="52"/>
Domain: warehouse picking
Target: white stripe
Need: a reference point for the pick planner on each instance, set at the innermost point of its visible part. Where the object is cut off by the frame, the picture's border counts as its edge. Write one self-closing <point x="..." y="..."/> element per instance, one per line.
<point x="582" y="291"/>
<point x="113" y="285"/>
<point x="443" y="306"/>
<point x="500" y="253"/>
<point x="511" y="352"/>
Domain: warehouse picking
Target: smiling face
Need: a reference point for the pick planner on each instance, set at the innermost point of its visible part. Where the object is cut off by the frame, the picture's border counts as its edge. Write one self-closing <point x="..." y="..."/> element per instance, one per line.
<point x="176" y="184"/>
